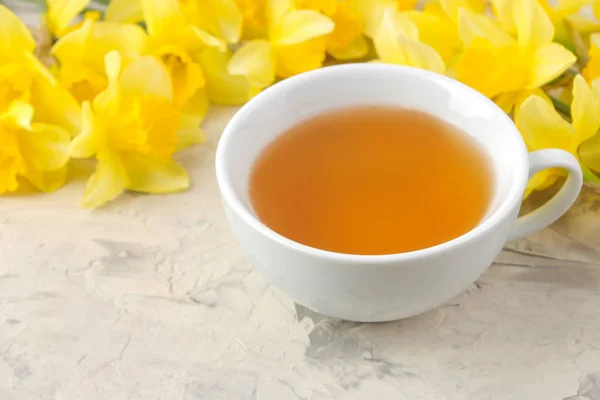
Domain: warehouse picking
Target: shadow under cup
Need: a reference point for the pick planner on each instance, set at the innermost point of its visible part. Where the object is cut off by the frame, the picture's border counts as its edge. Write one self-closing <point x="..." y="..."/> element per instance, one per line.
<point x="371" y="288"/>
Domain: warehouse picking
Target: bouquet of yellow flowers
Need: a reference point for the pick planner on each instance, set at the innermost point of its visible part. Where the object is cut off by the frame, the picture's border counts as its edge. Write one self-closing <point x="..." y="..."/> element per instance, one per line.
<point x="128" y="82"/>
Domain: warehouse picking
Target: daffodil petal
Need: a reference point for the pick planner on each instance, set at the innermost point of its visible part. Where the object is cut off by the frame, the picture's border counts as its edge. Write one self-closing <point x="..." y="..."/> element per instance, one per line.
<point x="506" y="101"/>
<point x="19" y="114"/>
<point x="596" y="85"/>
<point x="162" y="17"/>
<point x="230" y="19"/>
<point x="72" y="46"/>
<point x="584" y="110"/>
<point x="358" y="48"/>
<point x="46" y="181"/>
<point x="437" y="32"/>
<point x="549" y="61"/>
<point x="221" y="86"/>
<point x="14" y="35"/>
<point x="112" y="62"/>
<point x="151" y="175"/>
<point x="209" y="39"/>
<point x="405" y="5"/>
<point x="86" y="144"/>
<point x="127" y="39"/>
<point x="542" y="180"/>
<point x="9" y="181"/>
<point x="222" y="18"/>
<point x="61" y="13"/>
<point x="393" y="26"/>
<point x="124" y="11"/>
<point x="482" y="56"/>
<point x="276" y="9"/>
<point x="298" y="58"/>
<point x="584" y="24"/>
<point x="106" y="102"/>
<point x="472" y="26"/>
<point x="188" y="78"/>
<point x="595" y="40"/>
<point x="589" y="152"/>
<point x="371" y="16"/>
<point x="510" y="102"/>
<point x="54" y="104"/>
<point x="108" y="182"/>
<point x="533" y="25"/>
<point x="197" y="106"/>
<point x="596" y="9"/>
<point x="254" y="60"/>
<point x="189" y="133"/>
<point x="420" y="55"/>
<point x="39" y="70"/>
<point x="541" y="126"/>
<point x="524" y="95"/>
<point x="45" y="146"/>
<point x="147" y="76"/>
<point x="169" y="27"/>
<point x="503" y="9"/>
<point x="453" y="7"/>
<point x="108" y="97"/>
<point x="302" y="25"/>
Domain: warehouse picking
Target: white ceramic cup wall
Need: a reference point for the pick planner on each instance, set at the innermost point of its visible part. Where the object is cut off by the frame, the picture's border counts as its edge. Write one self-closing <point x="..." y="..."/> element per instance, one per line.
<point x="384" y="287"/>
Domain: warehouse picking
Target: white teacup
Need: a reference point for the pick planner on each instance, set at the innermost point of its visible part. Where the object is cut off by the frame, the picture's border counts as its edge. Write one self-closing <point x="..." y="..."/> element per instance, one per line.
<point x="384" y="287"/>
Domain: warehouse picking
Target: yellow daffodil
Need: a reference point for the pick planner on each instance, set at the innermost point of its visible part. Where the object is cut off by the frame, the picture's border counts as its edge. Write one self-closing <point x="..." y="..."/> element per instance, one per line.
<point x="346" y="42"/>
<point x="60" y="14"/>
<point x="296" y="43"/>
<point x="36" y="152"/>
<point x="397" y="42"/>
<point x="592" y="69"/>
<point x="132" y="129"/>
<point x="542" y="128"/>
<point x="178" y="44"/>
<point x="190" y="36"/>
<point x="24" y="78"/>
<point x="505" y="69"/>
<point x="81" y="55"/>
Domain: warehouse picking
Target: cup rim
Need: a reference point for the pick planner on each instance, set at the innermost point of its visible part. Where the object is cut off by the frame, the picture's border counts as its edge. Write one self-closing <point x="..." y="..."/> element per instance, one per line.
<point x="514" y="195"/>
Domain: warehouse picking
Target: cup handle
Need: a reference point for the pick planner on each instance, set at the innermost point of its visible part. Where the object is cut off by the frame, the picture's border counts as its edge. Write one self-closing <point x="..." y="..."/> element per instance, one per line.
<point x="559" y="204"/>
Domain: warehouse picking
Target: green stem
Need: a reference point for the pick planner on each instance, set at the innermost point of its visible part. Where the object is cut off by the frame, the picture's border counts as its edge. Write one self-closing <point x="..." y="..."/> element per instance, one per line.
<point x="561" y="107"/>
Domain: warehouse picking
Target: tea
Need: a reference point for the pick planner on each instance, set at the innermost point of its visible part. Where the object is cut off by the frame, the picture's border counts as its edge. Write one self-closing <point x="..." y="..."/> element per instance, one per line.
<point x="372" y="180"/>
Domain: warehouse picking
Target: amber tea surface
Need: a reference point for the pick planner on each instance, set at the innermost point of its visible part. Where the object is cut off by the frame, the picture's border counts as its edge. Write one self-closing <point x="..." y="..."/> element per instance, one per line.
<point x="372" y="181"/>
